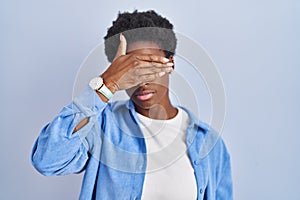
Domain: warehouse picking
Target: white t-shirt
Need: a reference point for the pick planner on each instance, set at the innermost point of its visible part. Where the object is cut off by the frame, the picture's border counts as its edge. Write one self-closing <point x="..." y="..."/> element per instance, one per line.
<point x="169" y="173"/>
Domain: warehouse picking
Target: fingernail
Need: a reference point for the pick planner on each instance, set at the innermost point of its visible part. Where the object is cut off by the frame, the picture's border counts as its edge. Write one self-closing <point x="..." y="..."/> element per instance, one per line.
<point x="166" y="60"/>
<point x="161" y="73"/>
<point x="170" y="64"/>
<point x="121" y="36"/>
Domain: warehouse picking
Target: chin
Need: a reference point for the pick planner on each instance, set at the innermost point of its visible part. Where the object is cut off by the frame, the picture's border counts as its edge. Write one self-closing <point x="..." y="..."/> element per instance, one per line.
<point x="146" y="105"/>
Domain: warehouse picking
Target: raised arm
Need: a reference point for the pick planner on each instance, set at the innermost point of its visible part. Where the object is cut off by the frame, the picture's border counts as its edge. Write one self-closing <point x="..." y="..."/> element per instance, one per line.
<point x="59" y="150"/>
<point x="63" y="145"/>
<point x="127" y="71"/>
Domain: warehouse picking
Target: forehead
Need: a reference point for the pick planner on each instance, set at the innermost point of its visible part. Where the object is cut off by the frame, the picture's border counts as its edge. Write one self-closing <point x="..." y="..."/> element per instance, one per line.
<point x="144" y="47"/>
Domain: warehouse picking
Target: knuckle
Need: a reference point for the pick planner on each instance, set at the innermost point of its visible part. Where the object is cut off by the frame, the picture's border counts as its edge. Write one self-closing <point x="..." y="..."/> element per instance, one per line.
<point x="156" y="64"/>
<point x="137" y="56"/>
<point x="152" y="58"/>
<point x="154" y="69"/>
<point x="136" y="63"/>
<point x="132" y="57"/>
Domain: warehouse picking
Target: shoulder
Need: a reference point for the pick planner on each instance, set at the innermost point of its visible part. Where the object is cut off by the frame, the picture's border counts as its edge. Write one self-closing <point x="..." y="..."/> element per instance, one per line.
<point x="214" y="146"/>
<point x="210" y="139"/>
<point x="119" y="105"/>
<point x="215" y="151"/>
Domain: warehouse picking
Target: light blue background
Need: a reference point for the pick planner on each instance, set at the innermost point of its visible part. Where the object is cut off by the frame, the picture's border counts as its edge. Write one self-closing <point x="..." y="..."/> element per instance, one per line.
<point x="255" y="45"/>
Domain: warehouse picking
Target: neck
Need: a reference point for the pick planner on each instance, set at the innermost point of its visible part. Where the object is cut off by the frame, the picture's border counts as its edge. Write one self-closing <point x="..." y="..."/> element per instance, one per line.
<point x="161" y="111"/>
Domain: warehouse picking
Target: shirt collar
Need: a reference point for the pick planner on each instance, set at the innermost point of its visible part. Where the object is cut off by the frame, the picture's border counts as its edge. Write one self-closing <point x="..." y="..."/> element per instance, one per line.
<point x="194" y="122"/>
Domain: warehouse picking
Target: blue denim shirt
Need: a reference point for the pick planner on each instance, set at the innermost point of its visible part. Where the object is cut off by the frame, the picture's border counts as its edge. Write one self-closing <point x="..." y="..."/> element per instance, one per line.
<point x="111" y="150"/>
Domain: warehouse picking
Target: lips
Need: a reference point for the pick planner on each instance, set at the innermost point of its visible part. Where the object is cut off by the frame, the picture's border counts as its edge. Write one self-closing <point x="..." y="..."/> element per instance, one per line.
<point x="144" y="95"/>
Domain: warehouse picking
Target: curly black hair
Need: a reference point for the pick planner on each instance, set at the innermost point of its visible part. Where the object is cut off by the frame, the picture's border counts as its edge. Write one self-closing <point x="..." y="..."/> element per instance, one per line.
<point x="140" y="26"/>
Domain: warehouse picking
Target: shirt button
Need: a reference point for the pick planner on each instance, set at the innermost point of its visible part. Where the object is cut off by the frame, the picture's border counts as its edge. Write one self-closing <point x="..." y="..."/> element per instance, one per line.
<point x="201" y="191"/>
<point x="197" y="162"/>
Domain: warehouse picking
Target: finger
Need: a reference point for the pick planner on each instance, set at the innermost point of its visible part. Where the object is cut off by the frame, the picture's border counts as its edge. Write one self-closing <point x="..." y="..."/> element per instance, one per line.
<point x="122" y="47"/>
<point x="151" y="77"/>
<point x="146" y="64"/>
<point x="152" y="58"/>
<point x="139" y="71"/>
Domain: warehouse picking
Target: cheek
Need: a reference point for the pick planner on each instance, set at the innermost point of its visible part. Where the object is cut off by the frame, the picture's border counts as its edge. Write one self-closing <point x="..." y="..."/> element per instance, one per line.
<point x="130" y="91"/>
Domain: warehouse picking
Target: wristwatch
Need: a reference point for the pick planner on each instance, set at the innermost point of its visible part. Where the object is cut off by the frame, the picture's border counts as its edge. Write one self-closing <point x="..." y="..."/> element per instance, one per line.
<point x="98" y="85"/>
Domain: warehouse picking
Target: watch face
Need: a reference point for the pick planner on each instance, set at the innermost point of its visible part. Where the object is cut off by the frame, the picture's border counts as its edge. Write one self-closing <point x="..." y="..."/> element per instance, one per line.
<point x="96" y="83"/>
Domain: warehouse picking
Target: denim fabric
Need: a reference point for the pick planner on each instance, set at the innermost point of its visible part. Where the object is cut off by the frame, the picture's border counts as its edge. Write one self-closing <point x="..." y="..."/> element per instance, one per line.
<point x="111" y="150"/>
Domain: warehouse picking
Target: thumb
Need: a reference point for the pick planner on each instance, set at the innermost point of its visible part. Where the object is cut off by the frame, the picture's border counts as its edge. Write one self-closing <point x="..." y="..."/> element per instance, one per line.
<point x="122" y="47"/>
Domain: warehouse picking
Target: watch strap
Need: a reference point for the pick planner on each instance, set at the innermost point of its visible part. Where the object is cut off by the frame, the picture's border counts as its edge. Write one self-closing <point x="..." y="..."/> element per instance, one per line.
<point x="105" y="91"/>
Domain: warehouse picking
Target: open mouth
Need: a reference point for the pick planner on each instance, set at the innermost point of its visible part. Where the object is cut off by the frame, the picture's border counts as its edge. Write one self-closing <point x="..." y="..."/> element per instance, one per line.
<point x="144" y="95"/>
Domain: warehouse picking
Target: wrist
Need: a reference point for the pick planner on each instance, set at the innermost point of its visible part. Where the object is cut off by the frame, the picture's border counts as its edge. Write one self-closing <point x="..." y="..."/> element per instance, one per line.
<point x="109" y="83"/>
<point x="100" y="87"/>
